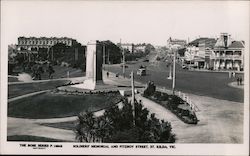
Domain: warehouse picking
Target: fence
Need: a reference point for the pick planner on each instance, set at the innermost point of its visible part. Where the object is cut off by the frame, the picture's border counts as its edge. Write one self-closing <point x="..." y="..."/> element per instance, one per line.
<point x="181" y="95"/>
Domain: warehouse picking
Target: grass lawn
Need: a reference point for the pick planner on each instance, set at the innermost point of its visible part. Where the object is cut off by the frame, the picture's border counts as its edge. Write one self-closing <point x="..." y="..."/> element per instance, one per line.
<point x="31" y="138"/>
<point x="15" y="90"/>
<point x="60" y="72"/>
<point x="12" y="79"/>
<point x="50" y="105"/>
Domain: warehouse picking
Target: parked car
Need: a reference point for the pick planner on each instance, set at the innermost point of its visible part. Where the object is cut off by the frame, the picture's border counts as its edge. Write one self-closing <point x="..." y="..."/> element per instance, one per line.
<point x="141" y="72"/>
<point x="184" y="67"/>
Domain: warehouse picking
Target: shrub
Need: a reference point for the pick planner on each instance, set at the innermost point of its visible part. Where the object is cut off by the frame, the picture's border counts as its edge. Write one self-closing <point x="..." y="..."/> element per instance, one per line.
<point x="172" y="102"/>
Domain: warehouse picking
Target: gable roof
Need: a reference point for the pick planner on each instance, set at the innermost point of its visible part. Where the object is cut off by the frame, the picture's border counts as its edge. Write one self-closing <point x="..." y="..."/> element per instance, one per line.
<point x="196" y="41"/>
<point x="210" y="41"/>
<point x="236" y="44"/>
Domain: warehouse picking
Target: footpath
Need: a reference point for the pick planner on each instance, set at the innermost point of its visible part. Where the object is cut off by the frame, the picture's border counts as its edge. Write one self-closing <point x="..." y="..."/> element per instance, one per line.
<point x="235" y="85"/>
<point x="221" y="121"/>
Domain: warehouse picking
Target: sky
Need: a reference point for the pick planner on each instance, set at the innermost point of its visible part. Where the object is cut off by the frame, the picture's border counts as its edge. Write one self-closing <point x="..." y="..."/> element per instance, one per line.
<point x="132" y="22"/>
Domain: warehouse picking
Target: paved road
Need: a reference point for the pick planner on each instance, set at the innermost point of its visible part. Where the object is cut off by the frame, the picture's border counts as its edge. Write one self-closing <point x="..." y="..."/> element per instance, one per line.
<point x="221" y="121"/>
<point x="212" y="84"/>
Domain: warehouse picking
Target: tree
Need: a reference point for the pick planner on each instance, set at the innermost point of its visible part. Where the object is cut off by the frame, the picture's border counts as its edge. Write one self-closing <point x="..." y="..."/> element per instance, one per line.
<point x="113" y="53"/>
<point x="117" y="125"/>
<point x="50" y="71"/>
<point x="73" y="55"/>
<point x="85" y="131"/>
<point x="43" y="54"/>
<point x="149" y="48"/>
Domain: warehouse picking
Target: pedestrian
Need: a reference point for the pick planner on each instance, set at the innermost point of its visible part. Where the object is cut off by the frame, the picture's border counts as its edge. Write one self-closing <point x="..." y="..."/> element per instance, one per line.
<point x="39" y="72"/>
<point x="233" y="74"/>
<point x="229" y="74"/>
<point x="50" y="71"/>
<point x="238" y="81"/>
<point x="107" y="74"/>
<point x="117" y="75"/>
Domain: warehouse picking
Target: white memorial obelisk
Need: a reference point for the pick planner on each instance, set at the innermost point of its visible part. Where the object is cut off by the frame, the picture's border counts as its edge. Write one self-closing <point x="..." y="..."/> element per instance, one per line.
<point x="93" y="66"/>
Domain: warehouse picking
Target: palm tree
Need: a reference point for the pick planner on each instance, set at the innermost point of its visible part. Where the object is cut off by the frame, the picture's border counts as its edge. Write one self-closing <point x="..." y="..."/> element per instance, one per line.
<point x="85" y="128"/>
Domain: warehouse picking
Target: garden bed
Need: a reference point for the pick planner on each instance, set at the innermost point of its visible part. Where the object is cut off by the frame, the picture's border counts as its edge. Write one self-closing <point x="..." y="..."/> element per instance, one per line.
<point x="176" y="105"/>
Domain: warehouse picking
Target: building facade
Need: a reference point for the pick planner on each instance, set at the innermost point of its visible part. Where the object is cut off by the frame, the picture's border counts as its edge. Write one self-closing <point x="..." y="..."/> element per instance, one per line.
<point x="220" y="54"/>
<point x="228" y="54"/>
<point x="205" y="51"/>
<point x="34" y="43"/>
<point x="140" y="48"/>
<point x="198" y="52"/>
<point x="176" y="43"/>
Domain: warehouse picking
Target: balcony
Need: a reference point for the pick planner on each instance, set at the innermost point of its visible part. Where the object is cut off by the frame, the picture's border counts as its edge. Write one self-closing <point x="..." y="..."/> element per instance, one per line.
<point x="229" y="57"/>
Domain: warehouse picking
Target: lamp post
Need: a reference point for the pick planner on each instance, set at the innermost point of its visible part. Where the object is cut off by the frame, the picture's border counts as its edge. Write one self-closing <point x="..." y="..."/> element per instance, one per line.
<point x="123" y="59"/>
<point x="170" y="72"/>
<point x="103" y="52"/>
<point x="173" y="84"/>
<point x="133" y="96"/>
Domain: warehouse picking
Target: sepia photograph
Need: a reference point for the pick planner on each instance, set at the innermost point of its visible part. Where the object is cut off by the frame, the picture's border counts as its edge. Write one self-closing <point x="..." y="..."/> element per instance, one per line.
<point x="125" y="77"/>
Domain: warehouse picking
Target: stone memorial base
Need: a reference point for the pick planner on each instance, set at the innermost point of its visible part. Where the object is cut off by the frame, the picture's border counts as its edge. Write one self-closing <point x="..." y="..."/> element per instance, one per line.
<point x="93" y="85"/>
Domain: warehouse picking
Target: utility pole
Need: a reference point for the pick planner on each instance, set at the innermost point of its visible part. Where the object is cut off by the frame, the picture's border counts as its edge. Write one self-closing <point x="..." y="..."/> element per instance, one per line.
<point x="52" y="54"/>
<point x="103" y="55"/>
<point x="123" y="59"/>
<point x="48" y="53"/>
<point x="133" y="96"/>
<point x="29" y="56"/>
<point x="173" y="85"/>
<point x="170" y="72"/>
<point x="123" y="67"/>
<point x="108" y="57"/>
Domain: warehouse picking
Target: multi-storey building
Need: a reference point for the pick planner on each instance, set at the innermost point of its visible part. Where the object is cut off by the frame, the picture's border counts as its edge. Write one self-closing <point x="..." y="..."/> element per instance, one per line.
<point x="176" y="43"/>
<point x="34" y="43"/>
<point x="205" y="51"/>
<point x="140" y="48"/>
<point x="198" y="52"/>
<point x="228" y="54"/>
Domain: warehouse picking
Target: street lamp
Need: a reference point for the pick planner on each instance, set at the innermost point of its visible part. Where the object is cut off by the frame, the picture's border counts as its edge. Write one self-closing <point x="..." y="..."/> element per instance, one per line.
<point x="123" y="59"/>
<point x="103" y="54"/>
<point x="170" y="73"/>
<point x="173" y="84"/>
<point x="170" y="69"/>
<point x="133" y="96"/>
